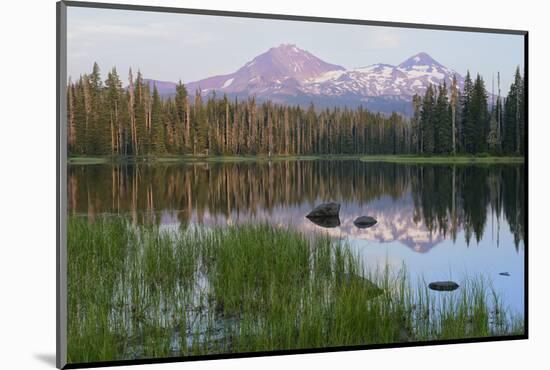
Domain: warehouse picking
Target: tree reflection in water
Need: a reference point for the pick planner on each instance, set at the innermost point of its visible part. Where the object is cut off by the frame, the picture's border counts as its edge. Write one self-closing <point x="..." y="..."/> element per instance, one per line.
<point x="445" y="198"/>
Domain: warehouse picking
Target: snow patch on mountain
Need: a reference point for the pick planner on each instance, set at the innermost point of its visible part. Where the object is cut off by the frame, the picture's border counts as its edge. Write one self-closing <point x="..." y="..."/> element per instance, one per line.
<point x="228" y="82"/>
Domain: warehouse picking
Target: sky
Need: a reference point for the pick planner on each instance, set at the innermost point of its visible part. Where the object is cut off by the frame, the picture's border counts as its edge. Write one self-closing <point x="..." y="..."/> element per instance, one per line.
<point x="170" y="47"/>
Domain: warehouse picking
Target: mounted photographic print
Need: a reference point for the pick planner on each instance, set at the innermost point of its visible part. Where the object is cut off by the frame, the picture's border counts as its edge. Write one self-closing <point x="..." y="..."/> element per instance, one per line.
<point x="239" y="184"/>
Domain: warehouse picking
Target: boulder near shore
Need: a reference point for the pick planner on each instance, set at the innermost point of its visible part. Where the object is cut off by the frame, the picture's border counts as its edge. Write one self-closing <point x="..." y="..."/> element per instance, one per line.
<point x="325" y="210"/>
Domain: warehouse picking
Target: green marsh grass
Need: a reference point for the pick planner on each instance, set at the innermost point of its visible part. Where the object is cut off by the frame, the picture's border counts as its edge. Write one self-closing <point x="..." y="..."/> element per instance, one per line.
<point x="397" y="158"/>
<point x="144" y="291"/>
<point x="442" y="159"/>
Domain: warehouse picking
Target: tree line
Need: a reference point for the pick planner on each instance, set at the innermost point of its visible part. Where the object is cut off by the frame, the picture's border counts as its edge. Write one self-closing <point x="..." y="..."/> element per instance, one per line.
<point x="105" y="118"/>
<point x="451" y="122"/>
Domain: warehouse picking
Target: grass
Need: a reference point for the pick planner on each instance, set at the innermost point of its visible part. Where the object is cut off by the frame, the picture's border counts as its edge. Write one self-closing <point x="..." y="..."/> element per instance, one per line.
<point x="143" y="291"/>
<point x="80" y="160"/>
<point x="88" y="160"/>
<point x="459" y="159"/>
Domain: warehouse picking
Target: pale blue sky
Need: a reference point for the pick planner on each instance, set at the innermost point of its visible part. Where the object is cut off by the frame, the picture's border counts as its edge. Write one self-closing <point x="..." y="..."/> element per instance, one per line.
<point x="170" y="47"/>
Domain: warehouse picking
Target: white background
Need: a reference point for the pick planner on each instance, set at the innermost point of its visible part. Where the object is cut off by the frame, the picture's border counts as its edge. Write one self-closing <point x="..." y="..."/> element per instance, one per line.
<point x="27" y="182"/>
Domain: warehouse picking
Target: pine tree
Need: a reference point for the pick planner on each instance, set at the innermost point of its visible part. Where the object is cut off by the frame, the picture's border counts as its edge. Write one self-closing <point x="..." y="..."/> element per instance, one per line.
<point x="97" y="128"/>
<point x="228" y="132"/>
<point x="492" y="139"/>
<point x="442" y="122"/>
<point x="427" y="121"/>
<point x="158" y="132"/>
<point x="181" y="111"/>
<point x="480" y="117"/>
<point x="140" y="116"/>
<point x="200" y="127"/>
<point x="132" y="113"/>
<point x="499" y="118"/>
<point x="147" y="107"/>
<point x="454" y="103"/>
<point x="71" y="123"/>
<point x="95" y="81"/>
<point x="416" y="138"/>
<point x="80" y="117"/>
<point x="466" y="124"/>
<point x="113" y="103"/>
<point x="269" y="130"/>
<point x="513" y="115"/>
<point x="286" y="132"/>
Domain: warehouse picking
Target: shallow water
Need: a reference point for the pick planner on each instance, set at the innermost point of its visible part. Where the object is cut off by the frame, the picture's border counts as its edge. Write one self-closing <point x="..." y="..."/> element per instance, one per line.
<point x="443" y="222"/>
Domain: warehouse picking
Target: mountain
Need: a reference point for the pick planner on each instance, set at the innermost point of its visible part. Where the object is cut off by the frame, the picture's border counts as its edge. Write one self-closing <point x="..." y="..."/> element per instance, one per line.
<point x="423" y="68"/>
<point x="384" y="80"/>
<point x="288" y="74"/>
<point x="279" y="71"/>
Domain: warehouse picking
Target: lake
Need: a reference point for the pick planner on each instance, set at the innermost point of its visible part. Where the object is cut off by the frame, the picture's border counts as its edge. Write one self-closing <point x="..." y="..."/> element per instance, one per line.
<point x="443" y="222"/>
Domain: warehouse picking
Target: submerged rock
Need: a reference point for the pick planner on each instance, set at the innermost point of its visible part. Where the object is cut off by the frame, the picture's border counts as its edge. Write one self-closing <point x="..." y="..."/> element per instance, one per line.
<point x="325" y="210"/>
<point x="443" y="286"/>
<point x="504" y="274"/>
<point x="328" y="222"/>
<point x="364" y="221"/>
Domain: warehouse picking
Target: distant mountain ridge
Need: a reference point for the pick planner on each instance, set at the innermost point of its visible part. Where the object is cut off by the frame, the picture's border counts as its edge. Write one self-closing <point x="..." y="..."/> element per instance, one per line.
<point x="288" y="74"/>
<point x="410" y="77"/>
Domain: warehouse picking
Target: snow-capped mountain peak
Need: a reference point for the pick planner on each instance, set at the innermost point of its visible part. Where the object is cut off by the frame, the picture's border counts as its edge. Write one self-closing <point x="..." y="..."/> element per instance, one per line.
<point x="420" y="59"/>
<point x="408" y="78"/>
<point x="287" y="61"/>
<point x="289" y="74"/>
<point x="279" y="70"/>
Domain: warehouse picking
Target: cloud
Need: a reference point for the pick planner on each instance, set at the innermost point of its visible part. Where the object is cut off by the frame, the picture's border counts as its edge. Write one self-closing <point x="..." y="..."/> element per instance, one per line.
<point x="384" y="38"/>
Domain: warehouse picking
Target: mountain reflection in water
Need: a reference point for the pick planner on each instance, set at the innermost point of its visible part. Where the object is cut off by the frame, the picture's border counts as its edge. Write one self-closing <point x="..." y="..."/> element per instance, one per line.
<point x="417" y="205"/>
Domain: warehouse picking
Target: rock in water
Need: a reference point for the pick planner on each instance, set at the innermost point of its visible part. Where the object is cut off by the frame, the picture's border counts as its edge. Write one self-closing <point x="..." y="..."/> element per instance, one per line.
<point x="328" y="222"/>
<point x="325" y="210"/>
<point x="364" y="221"/>
<point x="443" y="286"/>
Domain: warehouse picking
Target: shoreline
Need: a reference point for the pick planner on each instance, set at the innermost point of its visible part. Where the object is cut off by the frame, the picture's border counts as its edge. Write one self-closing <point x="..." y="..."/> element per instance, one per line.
<point x="409" y="159"/>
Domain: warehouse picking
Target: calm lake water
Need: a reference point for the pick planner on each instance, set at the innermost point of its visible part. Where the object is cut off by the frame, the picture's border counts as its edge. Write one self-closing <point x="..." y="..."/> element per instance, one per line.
<point x="441" y="221"/>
